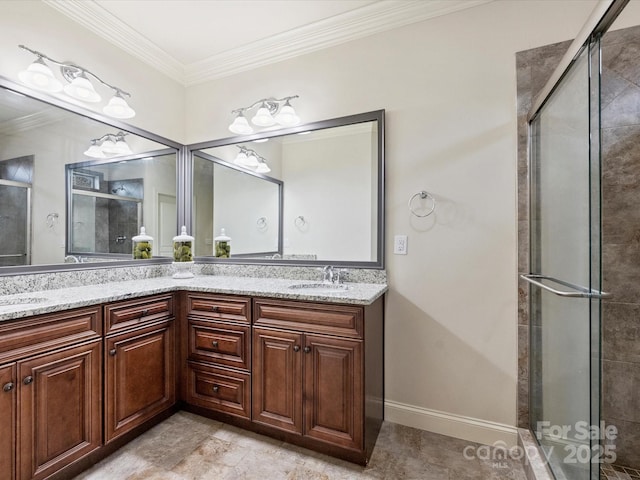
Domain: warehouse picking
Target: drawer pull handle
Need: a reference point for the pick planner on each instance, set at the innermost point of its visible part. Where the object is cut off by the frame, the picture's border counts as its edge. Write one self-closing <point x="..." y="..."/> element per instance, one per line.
<point x="214" y="344"/>
<point x="296" y="348"/>
<point x="145" y="312"/>
<point x="27" y="380"/>
<point x="214" y="308"/>
<point x="8" y="387"/>
<point x="112" y="352"/>
<point x="216" y="389"/>
<point x="307" y="349"/>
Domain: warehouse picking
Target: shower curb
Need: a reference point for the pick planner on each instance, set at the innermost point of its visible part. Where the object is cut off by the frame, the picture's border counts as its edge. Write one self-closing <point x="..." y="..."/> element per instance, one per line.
<point x="533" y="461"/>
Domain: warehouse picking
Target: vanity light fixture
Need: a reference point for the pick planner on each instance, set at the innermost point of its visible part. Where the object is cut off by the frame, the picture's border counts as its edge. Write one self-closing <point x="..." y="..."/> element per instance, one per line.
<point x="248" y="158"/>
<point x="108" y="145"/>
<point x="38" y="75"/>
<point x="271" y="111"/>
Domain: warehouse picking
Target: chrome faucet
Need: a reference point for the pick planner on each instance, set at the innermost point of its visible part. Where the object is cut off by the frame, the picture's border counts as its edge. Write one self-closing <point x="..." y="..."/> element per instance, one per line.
<point x="327" y="274"/>
<point x="71" y="259"/>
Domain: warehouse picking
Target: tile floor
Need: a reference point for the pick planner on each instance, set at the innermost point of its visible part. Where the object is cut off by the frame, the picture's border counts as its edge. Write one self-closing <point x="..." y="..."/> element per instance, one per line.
<point x="616" y="472"/>
<point x="190" y="447"/>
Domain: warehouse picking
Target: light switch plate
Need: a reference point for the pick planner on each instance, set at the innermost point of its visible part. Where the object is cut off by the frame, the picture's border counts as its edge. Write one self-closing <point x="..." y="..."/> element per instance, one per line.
<point x="400" y="244"/>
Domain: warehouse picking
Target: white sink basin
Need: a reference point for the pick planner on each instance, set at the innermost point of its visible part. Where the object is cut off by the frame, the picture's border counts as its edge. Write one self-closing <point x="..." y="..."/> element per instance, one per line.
<point x="320" y="287"/>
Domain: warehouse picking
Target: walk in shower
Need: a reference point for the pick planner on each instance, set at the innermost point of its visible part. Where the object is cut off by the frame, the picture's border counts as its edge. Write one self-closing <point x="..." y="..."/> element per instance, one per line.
<point x="580" y="387"/>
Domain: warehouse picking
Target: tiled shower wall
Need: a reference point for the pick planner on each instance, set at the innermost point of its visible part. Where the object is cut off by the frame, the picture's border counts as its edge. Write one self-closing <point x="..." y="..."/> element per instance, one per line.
<point x="620" y="229"/>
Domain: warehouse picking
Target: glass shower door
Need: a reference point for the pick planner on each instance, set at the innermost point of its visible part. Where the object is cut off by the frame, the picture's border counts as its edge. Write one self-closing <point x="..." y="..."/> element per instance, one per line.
<point x="565" y="278"/>
<point x="15" y="223"/>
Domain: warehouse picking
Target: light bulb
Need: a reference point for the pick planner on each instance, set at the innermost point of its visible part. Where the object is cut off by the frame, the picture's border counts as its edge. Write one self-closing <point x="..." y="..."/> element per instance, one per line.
<point x="118" y="107"/>
<point x="39" y="76"/>
<point x="240" y="125"/>
<point x="82" y="89"/>
<point x="263" y="118"/>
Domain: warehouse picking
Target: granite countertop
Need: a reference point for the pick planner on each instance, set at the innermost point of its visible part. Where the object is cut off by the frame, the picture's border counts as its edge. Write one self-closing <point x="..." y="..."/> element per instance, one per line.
<point x="47" y="301"/>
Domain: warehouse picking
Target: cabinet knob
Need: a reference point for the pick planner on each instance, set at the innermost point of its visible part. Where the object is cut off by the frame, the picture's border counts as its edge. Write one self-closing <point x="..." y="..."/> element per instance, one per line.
<point x="307" y="349"/>
<point x="8" y="387"/>
<point x="214" y="344"/>
<point x="296" y="348"/>
<point x="216" y="389"/>
<point x="27" y="380"/>
<point x="112" y="352"/>
<point x="214" y="308"/>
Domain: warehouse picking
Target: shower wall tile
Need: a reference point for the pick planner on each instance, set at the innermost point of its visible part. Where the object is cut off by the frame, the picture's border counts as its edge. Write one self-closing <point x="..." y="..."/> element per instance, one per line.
<point x="621" y="271"/>
<point x="620" y="165"/>
<point x="621" y="332"/>
<point x="627" y="443"/>
<point x="621" y="382"/>
<point x="624" y="109"/>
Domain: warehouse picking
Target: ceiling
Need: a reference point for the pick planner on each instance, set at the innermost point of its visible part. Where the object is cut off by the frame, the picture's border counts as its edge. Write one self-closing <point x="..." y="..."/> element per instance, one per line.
<point x="193" y="41"/>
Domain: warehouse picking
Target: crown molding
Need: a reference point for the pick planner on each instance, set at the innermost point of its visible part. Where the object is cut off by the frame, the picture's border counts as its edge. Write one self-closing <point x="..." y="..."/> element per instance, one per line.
<point x="374" y="18"/>
<point x="101" y="22"/>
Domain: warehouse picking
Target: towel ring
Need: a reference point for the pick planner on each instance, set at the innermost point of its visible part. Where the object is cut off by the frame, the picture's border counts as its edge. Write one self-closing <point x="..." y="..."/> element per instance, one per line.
<point x="422" y="194"/>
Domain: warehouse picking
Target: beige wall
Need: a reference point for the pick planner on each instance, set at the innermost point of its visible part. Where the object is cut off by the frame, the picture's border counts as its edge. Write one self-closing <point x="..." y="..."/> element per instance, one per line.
<point x="449" y="89"/>
<point x="448" y="86"/>
<point x="158" y="100"/>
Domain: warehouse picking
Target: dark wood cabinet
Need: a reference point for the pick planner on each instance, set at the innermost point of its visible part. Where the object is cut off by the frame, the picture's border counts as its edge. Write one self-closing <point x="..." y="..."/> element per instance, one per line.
<point x="140" y="378"/>
<point x="217" y="354"/>
<point x="8" y="396"/>
<point x="308" y="374"/>
<point x="60" y="409"/>
<point x="51" y="398"/>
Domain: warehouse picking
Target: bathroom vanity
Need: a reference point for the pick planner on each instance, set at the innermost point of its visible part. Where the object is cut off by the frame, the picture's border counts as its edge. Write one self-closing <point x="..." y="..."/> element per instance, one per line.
<point x="84" y="370"/>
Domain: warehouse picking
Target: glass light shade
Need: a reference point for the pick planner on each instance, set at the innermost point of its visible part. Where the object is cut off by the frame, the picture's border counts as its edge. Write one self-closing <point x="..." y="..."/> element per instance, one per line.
<point x="263" y="118"/>
<point x="122" y="148"/>
<point x="252" y="161"/>
<point x="39" y="76"/>
<point x="82" y="89"/>
<point x="109" y="146"/>
<point x="119" y="108"/>
<point x="241" y="159"/>
<point x="263" y="168"/>
<point x="94" y="151"/>
<point x="240" y="126"/>
<point x="287" y="116"/>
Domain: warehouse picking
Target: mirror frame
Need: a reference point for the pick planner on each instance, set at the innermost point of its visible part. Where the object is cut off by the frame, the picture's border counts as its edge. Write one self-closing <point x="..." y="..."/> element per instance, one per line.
<point x="181" y="161"/>
<point x="375" y="115"/>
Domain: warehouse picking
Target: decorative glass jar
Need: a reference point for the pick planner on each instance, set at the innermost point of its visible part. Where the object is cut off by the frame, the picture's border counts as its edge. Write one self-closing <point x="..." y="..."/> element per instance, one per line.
<point x="142" y="245"/>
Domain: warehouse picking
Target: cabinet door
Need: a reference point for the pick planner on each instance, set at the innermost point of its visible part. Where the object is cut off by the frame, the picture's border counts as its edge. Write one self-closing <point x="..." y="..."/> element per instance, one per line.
<point x="8" y="419"/>
<point x="333" y="390"/>
<point x="277" y="379"/>
<point x="139" y="376"/>
<point x="60" y="407"/>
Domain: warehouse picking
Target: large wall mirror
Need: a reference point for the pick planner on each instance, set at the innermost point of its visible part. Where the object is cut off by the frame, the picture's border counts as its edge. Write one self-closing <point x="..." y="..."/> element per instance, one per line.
<point x="58" y="205"/>
<point x="311" y="194"/>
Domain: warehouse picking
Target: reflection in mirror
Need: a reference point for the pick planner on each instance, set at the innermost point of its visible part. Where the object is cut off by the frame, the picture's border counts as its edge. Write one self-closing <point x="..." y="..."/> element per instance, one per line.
<point x="111" y="200"/>
<point x="331" y="180"/>
<point x="245" y="204"/>
<point x="37" y="140"/>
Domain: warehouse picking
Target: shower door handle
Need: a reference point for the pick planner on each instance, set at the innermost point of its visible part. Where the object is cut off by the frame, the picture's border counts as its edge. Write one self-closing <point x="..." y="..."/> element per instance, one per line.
<point x="577" y="290"/>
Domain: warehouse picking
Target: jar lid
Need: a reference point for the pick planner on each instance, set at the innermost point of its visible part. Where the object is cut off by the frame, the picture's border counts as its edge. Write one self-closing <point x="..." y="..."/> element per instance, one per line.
<point x="143" y="237"/>
<point x="222" y="237"/>
<point x="183" y="237"/>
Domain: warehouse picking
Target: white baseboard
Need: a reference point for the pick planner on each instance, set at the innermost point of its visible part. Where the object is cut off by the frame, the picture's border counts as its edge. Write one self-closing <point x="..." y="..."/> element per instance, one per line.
<point x="466" y="428"/>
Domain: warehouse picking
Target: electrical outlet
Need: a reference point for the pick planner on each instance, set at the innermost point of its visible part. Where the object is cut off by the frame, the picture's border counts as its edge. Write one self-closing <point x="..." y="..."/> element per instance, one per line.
<point x="400" y="244"/>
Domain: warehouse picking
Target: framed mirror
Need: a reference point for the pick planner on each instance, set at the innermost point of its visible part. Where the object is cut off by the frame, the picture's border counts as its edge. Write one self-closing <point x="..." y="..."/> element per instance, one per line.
<point x="331" y="178"/>
<point x="40" y="138"/>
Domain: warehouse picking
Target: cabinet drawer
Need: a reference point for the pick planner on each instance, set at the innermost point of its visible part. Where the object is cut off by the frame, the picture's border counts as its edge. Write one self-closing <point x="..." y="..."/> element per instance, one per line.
<point x="33" y="335"/>
<point x="219" y="389"/>
<point x="122" y="315"/>
<point x="343" y="320"/>
<point x="219" y="307"/>
<point x="221" y="343"/>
